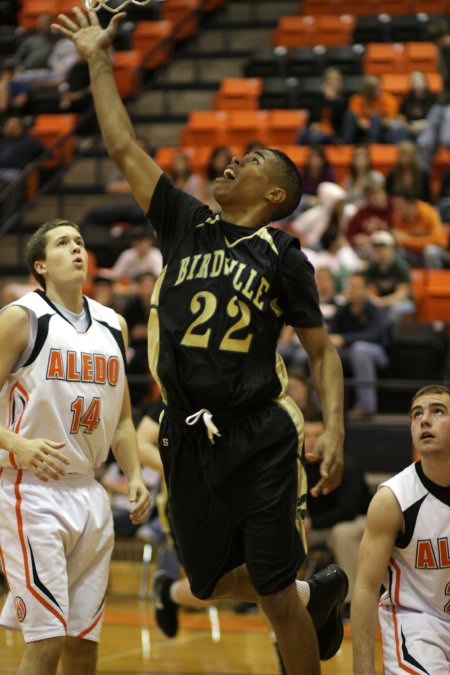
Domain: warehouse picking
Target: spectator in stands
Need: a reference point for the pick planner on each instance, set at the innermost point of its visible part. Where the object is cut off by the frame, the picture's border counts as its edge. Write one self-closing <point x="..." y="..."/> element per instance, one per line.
<point x="373" y="215"/>
<point x="317" y="170"/>
<point x="143" y="256"/>
<point x="443" y="200"/>
<point x="17" y="150"/>
<point x="312" y="223"/>
<point x="136" y="312"/>
<point x="358" y="331"/>
<point x="389" y="277"/>
<point x="354" y="183"/>
<point x="409" y="173"/>
<point x="123" y="209"/>
<point x="75" y="91"/>
<point x="327" y="114"/>
<point x="437" y="129"/>
<point x="336" y="520"/>
<point x="219" y="159"/>
<point x="182" y="175"/>
<point x="372" y="115"/>
<point x="329" y="299"/>
<point x="14" y="94"/>
<point x="33" y="52"/>
<point x="13" y="290"/>
<point x="418" y="231"/>
<point x="416" y="105"/>
<point x="102" y="290"/>
<point x="337" y="254"/>
<point x="302" y="393"/>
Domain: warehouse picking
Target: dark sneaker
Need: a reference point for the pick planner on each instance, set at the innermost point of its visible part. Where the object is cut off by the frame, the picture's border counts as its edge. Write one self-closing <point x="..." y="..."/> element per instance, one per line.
<point x="328" y="592"/>
<point x="166" y="610"/>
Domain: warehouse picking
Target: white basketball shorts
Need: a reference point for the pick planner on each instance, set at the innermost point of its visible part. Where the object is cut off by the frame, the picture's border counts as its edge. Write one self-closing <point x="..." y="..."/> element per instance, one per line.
<point x="56" y="540"/>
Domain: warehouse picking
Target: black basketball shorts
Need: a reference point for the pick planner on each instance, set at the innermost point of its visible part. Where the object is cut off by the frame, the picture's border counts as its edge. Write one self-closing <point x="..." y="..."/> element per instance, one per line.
<point x="238" y="500"/>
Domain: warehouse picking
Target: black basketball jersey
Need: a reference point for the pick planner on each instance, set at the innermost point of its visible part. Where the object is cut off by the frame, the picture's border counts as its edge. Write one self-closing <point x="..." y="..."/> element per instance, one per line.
<point x="219" y="305"/>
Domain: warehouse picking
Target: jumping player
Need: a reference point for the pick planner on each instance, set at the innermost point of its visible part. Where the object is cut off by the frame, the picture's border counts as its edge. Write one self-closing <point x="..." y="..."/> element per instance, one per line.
<point x="406" y="546"/>
<point x="64" y="403"/>
<point x="230" y="439"/>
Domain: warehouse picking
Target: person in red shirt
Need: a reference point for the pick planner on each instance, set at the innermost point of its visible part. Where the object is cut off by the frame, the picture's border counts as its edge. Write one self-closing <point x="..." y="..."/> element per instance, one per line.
<point x="374" y="215"/>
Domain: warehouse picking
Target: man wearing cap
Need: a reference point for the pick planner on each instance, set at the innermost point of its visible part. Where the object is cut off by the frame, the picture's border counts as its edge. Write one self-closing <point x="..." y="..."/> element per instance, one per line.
<point x="389" y="278"/>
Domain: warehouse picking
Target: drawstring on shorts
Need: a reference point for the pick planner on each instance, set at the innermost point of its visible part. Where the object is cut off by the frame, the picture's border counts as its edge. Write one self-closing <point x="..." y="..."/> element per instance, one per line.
<point x="206" y="416"/>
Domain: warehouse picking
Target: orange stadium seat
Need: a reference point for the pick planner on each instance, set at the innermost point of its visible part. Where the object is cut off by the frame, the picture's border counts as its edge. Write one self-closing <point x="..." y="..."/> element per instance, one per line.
<point x="383" y="58"/>
<point x="49" y="129"/>
<point x="212" y="5"/>
<point x="395" y="7"/>
<point x="127" y="71"/>
<point x="283" y="126"/>
<point x="383" y="157"/>
<point x="246" y="125"/>
<point x="398" y="83"/>
<point x="340" y="157"/>
<point x="334" y="31"/>
<point x="436" y="300"/>
<point x="430" y="6"/>
<point x="360" y="7"/>
<point x="421" y="56"/>
<point x="146" y="36"/>
<point x="30" y="10"/>
<point x="418" y="277"/>
<point x="238" y="93"/>
<point x="293" y="31"/>
<point x="205" y="127"/>
<point x="297" y="153"/>
<point x="184" y="15"/>
<point x="317" y="7"/>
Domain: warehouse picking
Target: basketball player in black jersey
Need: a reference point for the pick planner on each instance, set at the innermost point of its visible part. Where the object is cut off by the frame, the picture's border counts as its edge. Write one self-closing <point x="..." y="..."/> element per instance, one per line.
<point x="230" y="438"/>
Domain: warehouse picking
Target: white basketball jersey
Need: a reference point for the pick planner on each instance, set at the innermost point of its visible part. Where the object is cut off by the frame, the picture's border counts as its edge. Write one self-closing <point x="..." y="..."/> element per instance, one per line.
<point x="418" y="575"/>
<point x="71" y="387"/>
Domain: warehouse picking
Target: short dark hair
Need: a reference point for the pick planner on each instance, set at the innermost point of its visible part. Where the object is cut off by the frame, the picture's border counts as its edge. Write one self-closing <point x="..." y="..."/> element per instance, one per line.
<point x="38" y="243"/>
<point x="291" y="182"/>
<point x="430" y="389"/>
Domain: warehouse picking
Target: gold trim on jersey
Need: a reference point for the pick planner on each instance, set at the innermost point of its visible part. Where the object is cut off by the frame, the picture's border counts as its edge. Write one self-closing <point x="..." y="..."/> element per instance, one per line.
<point x="291" y="408"/>
<point x="153" y="333"/>
<point x="209" y="221"/>
<point x="263" y="233"/>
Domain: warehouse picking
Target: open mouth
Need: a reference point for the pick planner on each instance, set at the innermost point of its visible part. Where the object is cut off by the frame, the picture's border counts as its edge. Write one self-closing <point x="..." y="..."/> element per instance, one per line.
<point x="229" y="173"/>
<point x="426" y="435"/>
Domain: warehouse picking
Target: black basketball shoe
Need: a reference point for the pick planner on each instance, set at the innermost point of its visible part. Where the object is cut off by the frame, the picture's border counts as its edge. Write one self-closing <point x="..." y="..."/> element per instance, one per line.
<point x="166" y="610"/>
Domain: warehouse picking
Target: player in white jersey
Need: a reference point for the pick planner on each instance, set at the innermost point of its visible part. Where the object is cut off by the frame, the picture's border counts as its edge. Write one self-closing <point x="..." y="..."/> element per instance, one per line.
<point x="64" y="402"/>
<point x="406" y="546"/>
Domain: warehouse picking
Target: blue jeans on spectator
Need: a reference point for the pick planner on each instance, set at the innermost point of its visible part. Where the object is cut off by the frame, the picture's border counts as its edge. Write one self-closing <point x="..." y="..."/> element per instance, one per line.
<point x="436" y="133"/>
<point x="376" y="133"/>
<point x="363" y="358"/>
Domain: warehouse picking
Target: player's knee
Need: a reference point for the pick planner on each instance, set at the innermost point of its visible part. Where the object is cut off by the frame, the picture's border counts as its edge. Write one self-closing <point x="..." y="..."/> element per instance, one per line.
<point x="48" y="650"/>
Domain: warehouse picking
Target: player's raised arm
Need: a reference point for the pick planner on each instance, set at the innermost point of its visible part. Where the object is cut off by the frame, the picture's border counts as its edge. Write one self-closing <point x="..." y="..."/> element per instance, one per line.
<point x="93" y="44"/>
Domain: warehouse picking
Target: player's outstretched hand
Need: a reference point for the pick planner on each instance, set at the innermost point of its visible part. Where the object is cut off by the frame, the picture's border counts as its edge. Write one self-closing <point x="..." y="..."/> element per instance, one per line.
<point x="41" y="457"/>
<point x="86" y="32"/>
<point x="329" y="451"/>
<point x="138" y="493"/>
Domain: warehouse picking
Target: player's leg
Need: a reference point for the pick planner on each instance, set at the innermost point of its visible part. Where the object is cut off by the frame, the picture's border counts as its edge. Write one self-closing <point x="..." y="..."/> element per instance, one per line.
<point x="79" y="657"/>
<point x="294" y="631"/>
<point x="41" y="657"/>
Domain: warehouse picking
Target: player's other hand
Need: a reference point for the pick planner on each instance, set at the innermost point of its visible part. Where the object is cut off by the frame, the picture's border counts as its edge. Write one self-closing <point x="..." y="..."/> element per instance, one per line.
<point x="42" y="457"/>
<point x="329" y="451"/>
<point x="86" y="32"/>
<point x="140" y="496"/>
